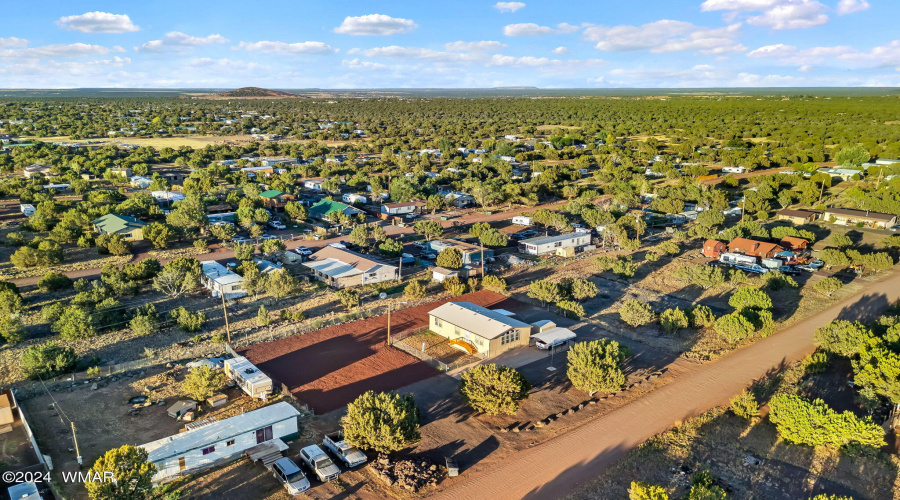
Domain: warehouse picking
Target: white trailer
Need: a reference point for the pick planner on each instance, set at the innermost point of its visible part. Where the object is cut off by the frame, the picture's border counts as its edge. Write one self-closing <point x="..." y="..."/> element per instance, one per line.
<point x="736" y="258"/>
<point x="522" y="220"/>
<point x="248" y="377"/>
<point x="27" y="209"/>
<point x="772" y="263"/>
<point x="734" y="170"/>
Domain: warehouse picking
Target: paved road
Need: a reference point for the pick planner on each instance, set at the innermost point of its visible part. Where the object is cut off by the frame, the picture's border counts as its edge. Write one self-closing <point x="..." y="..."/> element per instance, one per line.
<point x="218" y="252"/>
<point x="566" y="463"/>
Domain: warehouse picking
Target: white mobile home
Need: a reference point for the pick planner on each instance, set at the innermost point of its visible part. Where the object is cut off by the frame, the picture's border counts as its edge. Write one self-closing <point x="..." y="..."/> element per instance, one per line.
<point x="545" y="245"/>
<point x="220" y="441"/>
<point x="354" y="198"/>
<point x="220" y="280"/>
<point x="248" y="377"/>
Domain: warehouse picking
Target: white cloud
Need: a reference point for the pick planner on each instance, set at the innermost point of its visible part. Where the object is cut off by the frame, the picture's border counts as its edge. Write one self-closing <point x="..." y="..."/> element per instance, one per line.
<point x="12" y="42"/>
<point x="791" y="55"/>
<point x="666" y="36"/>
<point x="773" y="14"/>
<point x="485" y="45"/>
<point x="375" y="24"/>
<point x="560" y="50"/>
<point x="851" y="6"/>
<point x="208" y="63"/>
<point x="288" y="48"/>
<point x="357" y="63"/>
<point x="97" y="22"/>
<point x="701" y="76"/>
<point x="538" y="62"/>
<point x="509" y="6"/>
<point x="805" y="68"/>
<point x="532" y="29"/>
<point x="59" y="50"/>
<point x="175" y="40"/>
<point x="420" y="53"/>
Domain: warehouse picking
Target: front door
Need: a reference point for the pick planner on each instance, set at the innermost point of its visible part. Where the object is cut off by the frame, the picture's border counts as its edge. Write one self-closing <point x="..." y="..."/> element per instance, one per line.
<point x="181" y="464"/>
<point x="264" y="434"/>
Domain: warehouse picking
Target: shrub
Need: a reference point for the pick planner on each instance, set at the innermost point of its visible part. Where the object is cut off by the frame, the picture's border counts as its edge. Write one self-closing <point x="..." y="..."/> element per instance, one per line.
<point x="645" y="491"/>
<point x="74" y="323"/>
<point x="494" y="389"/>
<point x="816" y="362"/>
<point x="702" y="316"/>
<point x="583" y="289"/>
<point x="131" y="472"/>
<point x="414" y="290"/>
<point x="842" y="337"/>
<point x="673" y="320"/>
<point x="451" y="258"/>
<point x="494" y="284"/>
<point x="651" y="256"/>
<point x="828" y="286"/>
<point x="813" y="423"/>
<point x="54" y="281"/>
<point x="749" y="297"/>
<point x="187" y="320"/>
<point x="349" y="298"/>
<point x="570" y="306"/>
<point x="454" y="285"/>
<point x="262" y="317"/>
<point x="636" y="313"/>
<point x="48" y="360"/>
<point x="734" y="327"/>
<point x="381" y="421"/>
<point x="146" y="321"/>
<point x="596" y="366"/>
<point x="202" y="382"/>
<point x="745" y="405"/>
<point x="546" y="291"/>
<point x="703" y="276"/>
<point x="624" y="268"/>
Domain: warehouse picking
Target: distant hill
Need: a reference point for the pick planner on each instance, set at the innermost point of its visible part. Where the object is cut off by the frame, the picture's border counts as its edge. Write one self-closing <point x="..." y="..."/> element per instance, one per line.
<point x="256" y="92"/>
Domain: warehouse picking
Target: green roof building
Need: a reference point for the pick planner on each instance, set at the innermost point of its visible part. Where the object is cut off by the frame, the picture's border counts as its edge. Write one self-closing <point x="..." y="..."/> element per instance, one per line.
<point x="127" y="226"/>
<point x="322" y="209"/>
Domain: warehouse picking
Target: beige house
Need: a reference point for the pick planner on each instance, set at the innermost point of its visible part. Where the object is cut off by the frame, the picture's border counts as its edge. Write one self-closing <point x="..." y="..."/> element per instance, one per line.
<point x="477" y="329"/>
<point x="342" y="268"/>
<point x="849" y="216"/>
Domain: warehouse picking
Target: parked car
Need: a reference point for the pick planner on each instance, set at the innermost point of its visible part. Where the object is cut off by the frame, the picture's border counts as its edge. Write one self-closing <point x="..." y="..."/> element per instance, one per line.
<point x="268" y="237"/>
<point x="528" y="233"/>
<point x="789" y="270"/>
<point x="807" y="268"/>
<point x="303" y="251"/>
<point x="430" y="255"/>
<point x="818" y="264"/>
<point x="241" y="239"/>
<point x="289" y="474"/>
<point x="348" y="454"/>
<point x="277" y="225"/>
<point x="317" y="460"/>
<point x="420" y="244"/>
<point x="411" y="216"/>
<point x="896" y="228"/>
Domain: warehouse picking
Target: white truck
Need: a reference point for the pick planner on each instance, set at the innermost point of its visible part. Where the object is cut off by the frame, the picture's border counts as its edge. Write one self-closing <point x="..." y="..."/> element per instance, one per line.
<point x="348" y="454"/>
<point x="522" y="220"/>
<point x="317" y="460"/>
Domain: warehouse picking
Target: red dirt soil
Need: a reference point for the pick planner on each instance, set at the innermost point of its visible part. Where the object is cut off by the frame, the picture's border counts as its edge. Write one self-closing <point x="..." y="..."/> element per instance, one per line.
<point x="331" y="367"/>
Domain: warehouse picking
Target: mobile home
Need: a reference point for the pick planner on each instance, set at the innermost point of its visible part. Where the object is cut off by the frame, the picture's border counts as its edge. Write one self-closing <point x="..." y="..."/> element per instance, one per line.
<point x="218" y="442"/>
<point x="248" y="377"/>
<point x="546" y="245"/>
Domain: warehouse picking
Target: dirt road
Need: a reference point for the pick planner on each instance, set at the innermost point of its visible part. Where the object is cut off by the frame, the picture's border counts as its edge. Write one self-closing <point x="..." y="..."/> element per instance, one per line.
<point x="564" y="464"/>
<point x="218" y="252"/>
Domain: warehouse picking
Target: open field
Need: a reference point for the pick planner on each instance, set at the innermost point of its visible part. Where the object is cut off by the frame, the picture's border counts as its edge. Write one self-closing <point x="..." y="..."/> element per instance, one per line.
<point x="328" y="368"/>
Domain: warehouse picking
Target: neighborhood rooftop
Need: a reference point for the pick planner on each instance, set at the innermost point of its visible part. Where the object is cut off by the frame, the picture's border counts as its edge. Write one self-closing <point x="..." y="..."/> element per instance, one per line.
<point x="543" y="240"/>
<point x="487" y="323"/>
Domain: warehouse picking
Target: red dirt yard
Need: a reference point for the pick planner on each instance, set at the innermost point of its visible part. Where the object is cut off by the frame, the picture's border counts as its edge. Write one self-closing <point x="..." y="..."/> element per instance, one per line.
<point x="331" y="367"/>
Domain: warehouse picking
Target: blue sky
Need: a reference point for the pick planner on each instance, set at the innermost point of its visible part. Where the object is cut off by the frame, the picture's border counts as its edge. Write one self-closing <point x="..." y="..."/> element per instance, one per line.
<point x="462" y="43"/>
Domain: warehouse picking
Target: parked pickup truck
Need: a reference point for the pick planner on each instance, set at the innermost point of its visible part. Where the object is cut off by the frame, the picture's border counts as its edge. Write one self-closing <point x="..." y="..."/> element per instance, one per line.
<point x="344" y="451"/>
<point x="317" y="460"/>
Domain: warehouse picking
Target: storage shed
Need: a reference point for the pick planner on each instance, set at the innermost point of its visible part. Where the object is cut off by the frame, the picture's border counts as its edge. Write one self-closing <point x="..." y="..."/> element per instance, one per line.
<point x="178" y="409"/>
<point x="713" y="248"/>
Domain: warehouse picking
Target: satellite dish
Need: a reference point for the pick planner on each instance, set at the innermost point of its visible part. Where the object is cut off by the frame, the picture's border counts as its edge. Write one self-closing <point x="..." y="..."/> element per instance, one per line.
<point x="382" y="295"/>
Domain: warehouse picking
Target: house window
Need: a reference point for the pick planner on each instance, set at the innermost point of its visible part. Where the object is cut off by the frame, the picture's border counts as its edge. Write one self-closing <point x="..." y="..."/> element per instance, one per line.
<point x="207" y="451"/>
<point x="509" y="337"/>
<point x="230" y="442"/>
<point x="438" y="323"/>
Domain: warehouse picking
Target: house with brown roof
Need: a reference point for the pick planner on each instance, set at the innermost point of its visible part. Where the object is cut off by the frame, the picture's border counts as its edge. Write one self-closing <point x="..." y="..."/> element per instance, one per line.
<point x="341" y="268"/>
<point x="793" y="243"/>
<point x="753" y="248"/>
<point x="852" y="217"/>
<point x="798" y="217"/>
<point x="713" y="248"/>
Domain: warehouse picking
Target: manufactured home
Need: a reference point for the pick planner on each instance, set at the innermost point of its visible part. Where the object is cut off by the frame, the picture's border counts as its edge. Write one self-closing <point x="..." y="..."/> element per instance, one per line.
<point x="248" y="377"/>
<point x="217" y="442"/>
<point x="546" y="245"/>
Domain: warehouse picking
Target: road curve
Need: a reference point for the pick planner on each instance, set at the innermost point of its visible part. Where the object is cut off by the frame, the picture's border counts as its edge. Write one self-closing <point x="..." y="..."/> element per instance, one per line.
<point x="568" y="462"/>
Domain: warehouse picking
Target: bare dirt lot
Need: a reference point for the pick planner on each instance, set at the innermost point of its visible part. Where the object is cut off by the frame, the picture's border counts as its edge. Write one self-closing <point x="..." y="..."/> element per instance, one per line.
<point x="328" y="368"/>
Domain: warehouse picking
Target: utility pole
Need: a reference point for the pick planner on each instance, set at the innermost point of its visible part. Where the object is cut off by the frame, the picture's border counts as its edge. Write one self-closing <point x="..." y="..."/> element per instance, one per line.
<point x="75" y="440"/>
<point x="821" y="191"/>
<point x="225" y="310"/>
<point x="400" y="269"/>
<point x="389" y="325"/>
<point x="482" y="257"/>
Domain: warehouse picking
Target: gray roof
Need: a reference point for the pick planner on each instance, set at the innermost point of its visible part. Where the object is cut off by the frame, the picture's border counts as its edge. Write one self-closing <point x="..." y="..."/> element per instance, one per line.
<point x="214" y="432"/>
<point x="543" y="240"/>
<point x="476" y="319"/>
